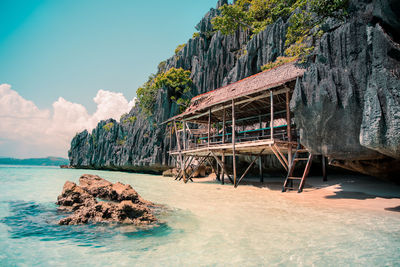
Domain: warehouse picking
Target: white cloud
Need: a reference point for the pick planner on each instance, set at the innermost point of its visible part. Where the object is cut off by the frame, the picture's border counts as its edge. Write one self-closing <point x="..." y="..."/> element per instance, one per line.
<point x="110" y="104"/>
<point x="45" y="132"/>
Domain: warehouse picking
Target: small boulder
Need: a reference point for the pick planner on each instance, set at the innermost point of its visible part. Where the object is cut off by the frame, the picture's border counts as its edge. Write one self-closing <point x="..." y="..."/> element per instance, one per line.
<point x="126" y="206"/>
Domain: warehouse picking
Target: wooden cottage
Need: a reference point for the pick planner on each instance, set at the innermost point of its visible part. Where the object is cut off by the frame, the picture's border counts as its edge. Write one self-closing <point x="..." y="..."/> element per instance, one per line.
<point x="250" y="117"/>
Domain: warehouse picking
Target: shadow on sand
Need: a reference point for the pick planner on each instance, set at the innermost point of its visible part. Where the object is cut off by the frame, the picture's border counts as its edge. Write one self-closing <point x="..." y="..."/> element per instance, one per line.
<point x="358" y="187"/>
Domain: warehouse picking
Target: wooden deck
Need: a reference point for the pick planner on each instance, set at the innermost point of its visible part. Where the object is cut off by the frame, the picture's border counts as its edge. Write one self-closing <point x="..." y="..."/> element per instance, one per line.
<point x="262" y="147"/>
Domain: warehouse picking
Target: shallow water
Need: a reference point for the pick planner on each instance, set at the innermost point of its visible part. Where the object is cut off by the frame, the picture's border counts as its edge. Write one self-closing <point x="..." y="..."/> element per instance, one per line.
<point x="205" y="225"/>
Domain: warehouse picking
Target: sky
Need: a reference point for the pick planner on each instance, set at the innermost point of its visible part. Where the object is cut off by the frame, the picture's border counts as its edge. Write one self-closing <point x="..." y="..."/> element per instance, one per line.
<point x="66" y="64"/>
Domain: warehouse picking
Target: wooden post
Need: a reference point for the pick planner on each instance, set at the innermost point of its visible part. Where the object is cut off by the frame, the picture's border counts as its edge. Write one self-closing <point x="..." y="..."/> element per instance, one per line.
<point x="209" y="126"/>
<point x="184" y="135"/>
<point x="218" y="172"/>
<point x="180" y="153"/>
<point x="324" y="174"/>
<point x="261" y="169"/>
<point x="170" y="146"/>
<point x="260" y="125"/>
<point x="233" y="142"/>
<point x="289" y="130"/>
<point x="272" y="115"/>
<point x="223" y="126"/>
<point x="222" y="169"/>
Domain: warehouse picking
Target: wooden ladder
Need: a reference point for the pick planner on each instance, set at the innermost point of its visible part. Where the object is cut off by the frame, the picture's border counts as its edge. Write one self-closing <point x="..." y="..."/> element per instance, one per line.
<point x="288" y="184"/>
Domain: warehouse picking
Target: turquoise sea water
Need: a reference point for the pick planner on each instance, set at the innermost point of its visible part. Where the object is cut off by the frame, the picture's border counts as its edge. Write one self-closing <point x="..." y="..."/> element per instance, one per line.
<point x="205" y="225"/>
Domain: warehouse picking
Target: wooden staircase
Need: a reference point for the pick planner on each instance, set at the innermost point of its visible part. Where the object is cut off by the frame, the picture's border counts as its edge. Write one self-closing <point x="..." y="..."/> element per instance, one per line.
<point x="301" y="154"/>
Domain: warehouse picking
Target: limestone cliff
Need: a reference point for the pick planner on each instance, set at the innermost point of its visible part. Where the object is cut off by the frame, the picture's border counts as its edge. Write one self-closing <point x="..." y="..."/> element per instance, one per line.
<point x="348" y="102"/>
<point x="346" y="106"/>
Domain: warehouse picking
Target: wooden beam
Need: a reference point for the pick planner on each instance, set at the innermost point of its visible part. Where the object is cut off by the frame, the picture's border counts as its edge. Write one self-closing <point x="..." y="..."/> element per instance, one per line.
<point x="222" y="169"/>
<point x="170" y="147"/>
<point x="272" y="115"/>
<point x="185" y="168"/>
<point x="279" y="158"/>
<point x="233" y="142"/>
<point x="223" y="126"/>
<point x="178" y="177"/>
<point x="184" y="135"/>
<point x="280" y="153"/>
<point x="222" y="166"/>
<point x="209" y="127"/>
<point x="261" y="170"/>
<point x="249" y="167"/>
<point x="198" y="166"/>
<point x="289" y="130"/>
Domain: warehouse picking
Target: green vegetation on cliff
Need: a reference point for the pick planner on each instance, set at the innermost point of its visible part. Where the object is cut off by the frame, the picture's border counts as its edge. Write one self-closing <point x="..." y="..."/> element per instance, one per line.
<point x="303" y="16"/>
<point x="179" y="48"/>
<point x="128" y="119"/>
<point x="108" y="126"/>
<point x="178" y="83"/>
<point x="278" y="62"/>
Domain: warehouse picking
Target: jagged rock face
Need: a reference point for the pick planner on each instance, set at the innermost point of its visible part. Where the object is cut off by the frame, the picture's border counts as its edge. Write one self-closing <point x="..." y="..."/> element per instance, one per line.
<point x="347" y="104"/>
<point x="214" y="60"/>
<point x="126" y="206"/>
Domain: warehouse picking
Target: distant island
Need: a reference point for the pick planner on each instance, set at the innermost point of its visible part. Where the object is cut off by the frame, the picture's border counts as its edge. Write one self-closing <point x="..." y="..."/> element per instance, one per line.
<point x="49" y="161"/>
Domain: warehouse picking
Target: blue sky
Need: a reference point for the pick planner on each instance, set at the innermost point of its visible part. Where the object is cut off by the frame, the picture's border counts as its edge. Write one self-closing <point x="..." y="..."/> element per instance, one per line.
<point x="66" y="64"/>
<point x="73" y="48"/>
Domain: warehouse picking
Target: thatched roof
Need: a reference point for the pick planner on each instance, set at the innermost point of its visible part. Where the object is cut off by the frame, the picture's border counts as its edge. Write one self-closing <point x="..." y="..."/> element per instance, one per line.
<point x="283" y="75"/>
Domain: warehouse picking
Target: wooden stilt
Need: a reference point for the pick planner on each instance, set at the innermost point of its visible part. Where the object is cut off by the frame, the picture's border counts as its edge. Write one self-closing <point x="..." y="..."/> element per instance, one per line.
<point x="180" y="152"/>
<point x="261" y="169"/>
<point x="260" y="162"/>
<point x="184" y="135"/>
<point x="218" y="172"/>
<point x="272" y="115"/>
<point x="180" y="173"/>
<point x="222" y="169"/>
<point x="249" y="167"/>
<point x="233" y="142"/>
<point x="289" y="130"/>
<point x="222" y="166"/>
<point x="170" y="147"/>
<point x="223" y="126"/>
<point x="186" y="166"/>
<point x="324" y="174"/>
<point x="209" y="127"/>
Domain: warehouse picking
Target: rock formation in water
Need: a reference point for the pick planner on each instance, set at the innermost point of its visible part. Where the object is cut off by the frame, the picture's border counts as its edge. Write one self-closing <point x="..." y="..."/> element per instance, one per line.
<point x="121" y="203"/>
<point x="346" y="106"/>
